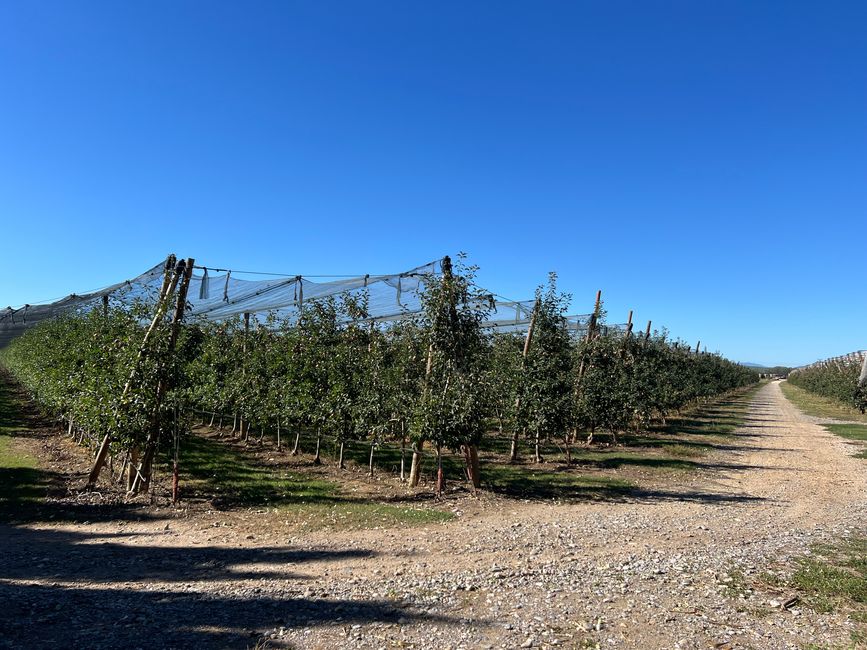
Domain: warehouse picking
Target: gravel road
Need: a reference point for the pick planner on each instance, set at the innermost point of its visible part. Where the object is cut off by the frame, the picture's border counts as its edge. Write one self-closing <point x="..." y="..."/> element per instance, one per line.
<point x="673" y="568"/>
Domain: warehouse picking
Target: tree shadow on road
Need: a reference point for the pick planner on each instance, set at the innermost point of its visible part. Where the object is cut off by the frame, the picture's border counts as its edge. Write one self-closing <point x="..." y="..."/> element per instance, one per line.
<point x="93" y="591"/>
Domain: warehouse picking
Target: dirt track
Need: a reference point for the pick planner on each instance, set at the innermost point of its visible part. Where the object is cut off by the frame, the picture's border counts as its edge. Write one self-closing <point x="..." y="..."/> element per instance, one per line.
<point x="667" y="568"/>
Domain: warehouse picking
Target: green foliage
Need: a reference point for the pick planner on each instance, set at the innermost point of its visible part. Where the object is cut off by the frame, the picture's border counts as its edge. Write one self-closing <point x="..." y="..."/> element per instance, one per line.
<point x="835" y="379"/>
<point x="545" y="383"/>
<point x="452" y="407"/>
<point x="441" y="377"/>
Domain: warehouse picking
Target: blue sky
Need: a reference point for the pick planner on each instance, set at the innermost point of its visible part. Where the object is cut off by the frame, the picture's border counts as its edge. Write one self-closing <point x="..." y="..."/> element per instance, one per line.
<point x="702" y="163"/>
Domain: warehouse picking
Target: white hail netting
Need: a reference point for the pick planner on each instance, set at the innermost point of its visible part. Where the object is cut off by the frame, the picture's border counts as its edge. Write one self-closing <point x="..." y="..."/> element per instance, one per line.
<point x="390" y="298"/>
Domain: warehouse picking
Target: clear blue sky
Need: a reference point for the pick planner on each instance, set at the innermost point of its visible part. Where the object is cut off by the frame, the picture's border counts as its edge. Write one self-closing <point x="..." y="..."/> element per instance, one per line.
<point x="702" y="163"/>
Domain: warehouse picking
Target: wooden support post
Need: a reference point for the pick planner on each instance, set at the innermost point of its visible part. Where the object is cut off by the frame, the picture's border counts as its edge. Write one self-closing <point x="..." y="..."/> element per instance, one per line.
<point x="415" y="467"/>
<point x="629" y="325"/>
<point x="697" y="347"/>
<point x="142" y="479"/>
<point x="245" y="426"/>
<point x="105" y="306"/>
<point x="647" y="332"/>
<point x="594" y="317"/>
<point x="513" y="453"/>
<point x="170" y="281"/>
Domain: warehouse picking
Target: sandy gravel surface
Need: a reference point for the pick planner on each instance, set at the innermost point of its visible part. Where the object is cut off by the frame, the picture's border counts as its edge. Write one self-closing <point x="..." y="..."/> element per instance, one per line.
<point x="677" y="567"/>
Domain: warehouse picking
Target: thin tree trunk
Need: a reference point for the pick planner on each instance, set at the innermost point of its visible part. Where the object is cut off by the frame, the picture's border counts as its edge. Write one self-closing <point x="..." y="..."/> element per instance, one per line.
<point x="513" y="452"/>
<point x="175" y="482"/>
<point x="402" y="457"/>
<point x="121" y="477"/>
<point x="132" y="467"/>
<point x="567" y="449"/>
<point x="538" y="445"/>
<point x="441" y="483"/>
<point x="340" y="462"/>
<point x="415" y="468"/>
<point x="590" y="435"/>
<point x="316" y="459"/>
<point x="370" y="464"/>
<point x="471" y="454"/>
<point x="279" y="444"/>
<point x="213" y="417"/>
<point x="234" y="424"/>
<point x="297" y="448"/>
<point x="220" y="425"/>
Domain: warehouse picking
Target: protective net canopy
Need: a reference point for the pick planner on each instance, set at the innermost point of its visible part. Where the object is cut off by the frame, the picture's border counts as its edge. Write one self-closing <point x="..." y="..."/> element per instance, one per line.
<point x="217" y="294"/>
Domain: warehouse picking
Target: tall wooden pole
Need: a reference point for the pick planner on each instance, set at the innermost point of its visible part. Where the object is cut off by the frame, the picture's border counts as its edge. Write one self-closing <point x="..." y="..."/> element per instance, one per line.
<point x="170" y="281"/>
<point x="594" y="317"/>
<point x="647" y="332"/>
<point x="245" y="425"/>
<point x="143" y="475"/>
<point x="513" y="453"/>
<point x="629" y="325"/>
<point x="415" y="466"/>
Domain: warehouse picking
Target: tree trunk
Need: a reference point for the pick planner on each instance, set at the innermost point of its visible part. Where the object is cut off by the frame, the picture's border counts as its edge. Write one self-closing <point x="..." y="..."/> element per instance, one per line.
<point x="370" y="464"/>
<point x="279" y="444"/>
<point x="340" y="462"/>
<point x="213" y="417"/>
<point x="121" y="476"/>
<point x="441" y="482"/>
<point x="297" y="448"/>
<point x="316" y="459"/>
<point x="513" y="453"/>
<point x="567" y="449"/>
<point x="415" y="469"/>
<point x="402" y="458"/>
<point x="590" y="435"/>
<point x="175" y="483"/>
<point x="538" y="445"/>
<point x="471" y="454"/>
<point x="220" y="425"/>
<point x="132" y="468"/>
<point x="234" y="424"/>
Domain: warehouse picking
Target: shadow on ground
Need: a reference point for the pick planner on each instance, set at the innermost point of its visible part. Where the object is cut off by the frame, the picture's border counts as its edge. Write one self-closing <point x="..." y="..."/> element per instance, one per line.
<point x="95" y="592"/>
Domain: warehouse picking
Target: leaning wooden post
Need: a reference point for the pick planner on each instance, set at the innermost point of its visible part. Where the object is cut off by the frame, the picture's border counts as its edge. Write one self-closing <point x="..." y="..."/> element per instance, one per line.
<point x="628" y="325"/>
<point x="143" y="475"/>
<point x="245" y="425"/>
<point x="647" y="332"/>
<point x="513" y="453"/>
<point x="697" y="347"/>
<point x="170" y="281"/>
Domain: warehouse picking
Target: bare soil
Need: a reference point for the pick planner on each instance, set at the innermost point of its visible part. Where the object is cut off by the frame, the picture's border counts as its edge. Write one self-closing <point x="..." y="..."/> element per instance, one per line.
<point x="679" y="565"/>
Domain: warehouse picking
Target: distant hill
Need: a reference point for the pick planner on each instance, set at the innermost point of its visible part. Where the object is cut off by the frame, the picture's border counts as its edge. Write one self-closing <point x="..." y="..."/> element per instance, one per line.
<point x="760" y="367"/>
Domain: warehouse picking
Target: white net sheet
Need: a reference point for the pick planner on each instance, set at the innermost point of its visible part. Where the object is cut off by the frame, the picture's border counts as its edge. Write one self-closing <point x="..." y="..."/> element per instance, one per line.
<point x="217" y="294"/>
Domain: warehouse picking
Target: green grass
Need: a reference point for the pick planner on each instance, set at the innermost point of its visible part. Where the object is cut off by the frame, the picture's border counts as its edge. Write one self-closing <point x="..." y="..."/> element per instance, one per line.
<point x="819" y="406"/>
<point x="22" y="484"/>
<point x="850" y="431"/>
<point x="212" y="470"/>
<point x="834" y="578"/>
<point x="523" y="482"/>
<point x="855" y="432"/>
